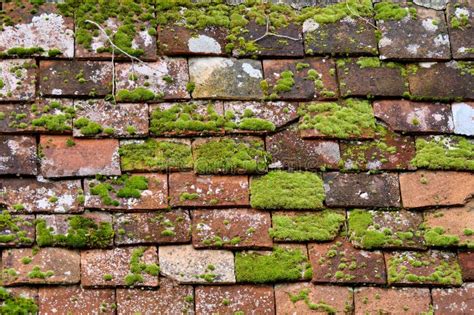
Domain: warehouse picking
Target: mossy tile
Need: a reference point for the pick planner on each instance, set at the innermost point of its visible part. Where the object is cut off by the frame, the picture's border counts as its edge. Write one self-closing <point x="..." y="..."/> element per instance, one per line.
<point x="283" y="264"/>
<point x="17" y="78"/>
<point x="423" y="268"/>
<point x="22" y="299"/>
<point x="16" y="230"/>
<point x="127" y="192"/>
<point x="461" y="30"/>
<point x="287" y="190"/>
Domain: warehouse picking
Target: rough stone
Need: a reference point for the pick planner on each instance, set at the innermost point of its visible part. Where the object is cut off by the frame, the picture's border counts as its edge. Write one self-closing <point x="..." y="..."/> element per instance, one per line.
<point x="35" y="196"/>
<point x="96" y="266"/>
<point x="226" y="78"/>
<point x="466" y="260"/>
<point x="337" y="297"/>
<point x="361" y="190"/>
<point x="152" y="228"/>
<point x="231" y="228"/>
<point x="373" y="300"/>
<point x="75" y="299"/>
<point x="18" y="77"/>
<point x="185" y="264"/>
<point x="233" y="299"/>
<point x="340" y="262"/>
<point x="126" y="120"/>
<point x="188" y="189"/>
<point x="87" y="157"/>
<point x="47" y="266"/>
<point x="20" y="233"/>
<point x="463" y="116"/>
<point x="18" y="155"/>
<point x="457" y="80"/>
<point x="75" y="78"/>
<point x="432" y="4"/>
<point x="407" y="116"/>
<point x="461" y="37"/>
<point x="303" y="88"/>
<point x="423" y="188"/>
<point x="170" y="298"/>
<point x="454" y="300"/>
<point x="166" y="77"/>
<point x="290" y="151"/>
<point x="154" y="197"/>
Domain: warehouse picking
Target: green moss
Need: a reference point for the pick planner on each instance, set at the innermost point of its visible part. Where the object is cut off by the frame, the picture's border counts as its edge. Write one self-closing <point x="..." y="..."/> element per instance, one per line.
<point x="320" y="226"/>
<point x="187" y="196"/>
<point x="281" y="265"/>
<point x="321" y="306"/>
<point x="2" y="84"/>
<point x="256" y="124"/>
<point x="435" y="236"/>
<point x="26" y="260"/>
<point x="468" y="232"/>
<point x="12" y="229"/>
<point x="351" y="119"/>
<point x="442" y="152"/>
<point x="386" y="10"/>
<point x="54" y="52"/>
<point x="155" y="155"/>
<point x="229" y="156"/>
<point x="88" y="127"/>
<point x="10" y="304"/>
<point x="36" y="273"/>
<point x="124" y="186"/>
<point x="336" y="12"/>
<point x="284" y="190"/>
<point x="285" y="83"/>
<point x="138" y="268"/>
<point x="369" y="62"/>
<point x="24" y="52"/>
<point x="82" y="232"/>
<point x="107" y="277"/>
<point x="139" y="94"/>
<point x="18" y="207"/>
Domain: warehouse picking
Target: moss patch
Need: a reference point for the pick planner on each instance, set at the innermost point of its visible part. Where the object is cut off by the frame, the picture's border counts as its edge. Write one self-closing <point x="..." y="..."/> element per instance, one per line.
<point x="139" y="94"/>
<point x="154" y="155"/>
<point x="351" y="119"/>
<point x="10" y="304"/>
<point x="138" y="268"/>
<point x="124" y="186"/>
<point x="11" y="229"/>
<point x="284" y="190"/>
<point x="320" y="226"/>
<point x="442" y="152"/>
<point x="281" y="265"/>
<point x="82" y="233"/>
<point x="229" y="156"/>
<point x="436" y="236"/>
<point x="321" y="306"/>
<point x="392" y="11"/>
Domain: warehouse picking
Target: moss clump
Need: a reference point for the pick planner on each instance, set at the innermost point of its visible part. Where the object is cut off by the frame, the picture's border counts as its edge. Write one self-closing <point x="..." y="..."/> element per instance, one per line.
<point x="59" y="122"/>
<point x="52" y="117"/>
<point x="352" y="119"/>
<point x="436" y="236"/>
<point x="320" y="226"/>
<point x="321" y="306"/>
<point x="369" y="62"/>
<point x="10" y="304"/>
<point x="284" y="190"/>
<point x="155" y="155"/>
<point x="441" y="152"/>
<point x="11" y="229"/>
<point x="88" y="127"/>
<point x="228" y="156"/>
<point x="36" y="273"/>
<point x="336" y="12"/>
<point x="138" y="268"/>
<point x="139" y="94"/>
<point x="188" y="196"/>
<point x="385" y="11"/>
<point x="82" y="232"/>
<point x="281" y="265"/>
<point x="24" y="52"/>
<point x="123" y="187"/>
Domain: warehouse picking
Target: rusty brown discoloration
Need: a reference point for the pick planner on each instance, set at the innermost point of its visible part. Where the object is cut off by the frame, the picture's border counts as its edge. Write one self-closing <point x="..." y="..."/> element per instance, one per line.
<point x="391" y="300"/>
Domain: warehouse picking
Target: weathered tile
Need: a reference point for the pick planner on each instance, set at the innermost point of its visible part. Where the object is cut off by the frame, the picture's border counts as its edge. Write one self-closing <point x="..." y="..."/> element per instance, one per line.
<point x="450" y="226"/>
<point x="370" y="229"/>
<point x="225" y="78"/>
<point x="53" y="116"/>
<point x="178" y="40"/>
<point x="42" y="27"/>
<point x="134" y="192"/>
<point x="368" y="76"/>
<point x="231" y="228"/>
<point x="16" y="230"/>
<point x="421" y="34"/>
<point x="101" y="118"/>
<point x="170" y="298"/>
<point x="302" y="79"/>
<point x="233" y="299"/>
<point x="75" y="299"/>
<point x="290" y="151"/>
<point x="47" y="266"/>
<point x="188" y="189"/>
<point x="162" y="79"/>
<point x="407" y="116"/>
<point x="372" y="300"/>
<point x="186" y="265"/>
<point x="75" y="78"/>
<point x="426" y="268"/>
<point x="466" y="260"/>
<point x="152" y="228"/>
<point x="454" y="300"/>
<point x="78" y="157"/>
<point x="442" y="80"/>
<point x="424" y="188"/>
<point x="347" y="36"/>
<point x="18" y="155"/>
<point x="42" y="196"/>
<point x="306" y="298"/>
<point x="459" y="14"/>
<point x="362" y="190"/>
<point x="18" y="79"/>
<point x="463" y="116"/>
<point x="432" y="4"/>
<point x="97" y="271"/>
<point x="339" y="262"/>
<point x="25" y="292"/>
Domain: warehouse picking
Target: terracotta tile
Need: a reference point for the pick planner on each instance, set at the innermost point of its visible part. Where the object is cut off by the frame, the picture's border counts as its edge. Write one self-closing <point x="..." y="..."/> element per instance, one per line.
<point x="17" y="230"/>
<point x="18" y="77"/>
<point x="454" y="300"/>
<point x="18" y="155"/>
<point x="466" y="260"/>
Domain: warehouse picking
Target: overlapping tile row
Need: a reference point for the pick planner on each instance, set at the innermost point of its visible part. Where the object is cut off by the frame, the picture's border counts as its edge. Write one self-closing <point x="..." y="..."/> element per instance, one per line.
<point x="237" y="159"/>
